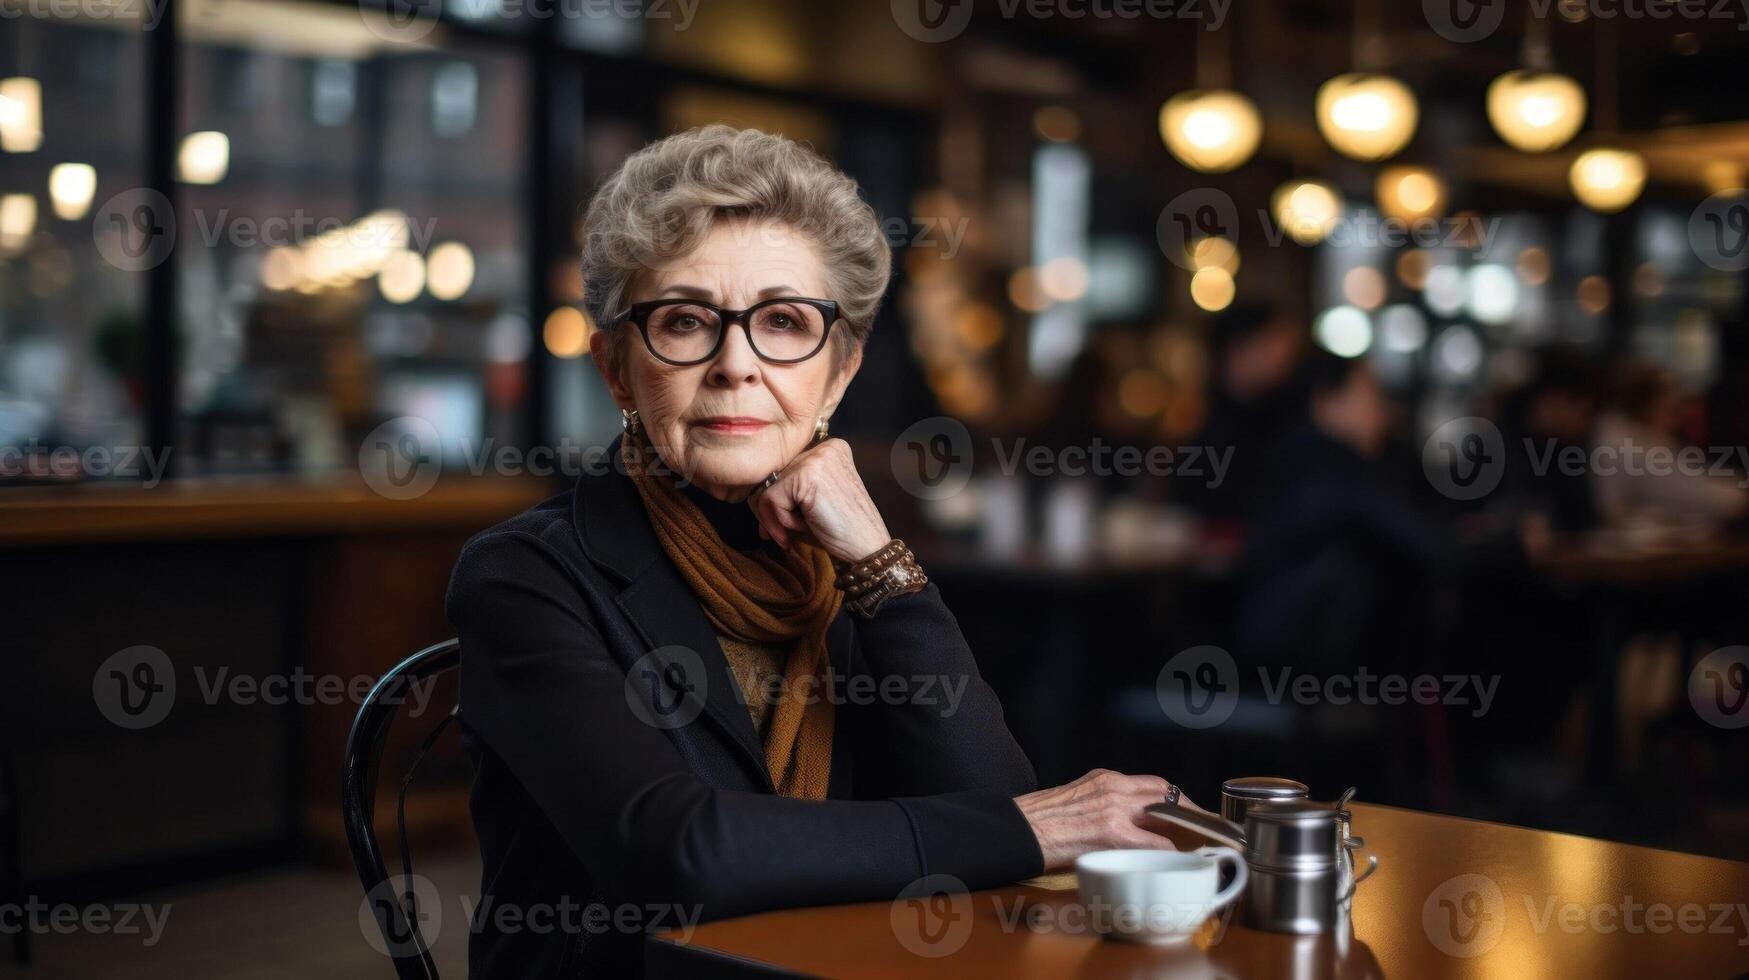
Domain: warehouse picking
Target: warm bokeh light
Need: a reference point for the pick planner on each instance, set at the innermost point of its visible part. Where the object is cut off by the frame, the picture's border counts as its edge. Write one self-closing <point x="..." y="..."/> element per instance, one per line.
<point x="1723" y="177"/>
<point x="17" y="221"/>
<point x="1536" y="111"/>
<point x="1648" y="280"/>
<point x="1410" y="193"/>
<point x="979" y="326"/>
<point x="282" y="268"/>
<point x="566" y="332"/>
<point x="1343" y="331"/>
<point x="205" y="157"/>
<point x="71" y="188"/>
<point x="1215" y="251"/>
<point x="1366" y="116"/>
<point x="1412" y="267"/>
<point x="1535" y="266"/>
<point x="1211" y="130"/>
<point x="1063" y="279"/>
<point x="1364" y="287"/>
<point x="402" y="278"/>
<point x="1026" y="292"/>
<point x="1593" y="294"/>
<point x="1057" y="124"/>
<point x="1212" y="289"/>
<point x="1306" y="209"/>
<point x="1608" y="179"/>
<point x="21" y="114"/>
<point x="449" y="271"/>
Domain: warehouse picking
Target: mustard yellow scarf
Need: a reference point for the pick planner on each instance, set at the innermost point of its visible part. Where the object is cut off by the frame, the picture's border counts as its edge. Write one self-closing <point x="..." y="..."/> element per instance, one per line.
<point x="755" y="598"/>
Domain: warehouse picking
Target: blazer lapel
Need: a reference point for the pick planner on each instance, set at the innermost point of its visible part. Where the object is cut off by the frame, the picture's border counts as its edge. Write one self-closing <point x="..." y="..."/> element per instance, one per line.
<point x="609" y="516"/>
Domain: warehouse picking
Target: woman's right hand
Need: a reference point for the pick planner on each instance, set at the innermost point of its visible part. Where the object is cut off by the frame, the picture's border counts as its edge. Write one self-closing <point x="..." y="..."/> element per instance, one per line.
<point x="1101" y="810"/>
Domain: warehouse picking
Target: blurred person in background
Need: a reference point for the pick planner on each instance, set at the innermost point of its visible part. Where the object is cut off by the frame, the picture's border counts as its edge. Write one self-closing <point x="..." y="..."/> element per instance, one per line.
<point x="1547" y="418"/>
<point x="1341" y="567"/>
<point x="1638" y="476"/>
<point x="649" y="660"/>
<point x="1258" y="394"/>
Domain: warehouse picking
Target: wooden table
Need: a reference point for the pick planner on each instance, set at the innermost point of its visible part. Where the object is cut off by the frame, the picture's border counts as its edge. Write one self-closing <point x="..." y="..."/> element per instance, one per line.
<point x="1451" y="898"/>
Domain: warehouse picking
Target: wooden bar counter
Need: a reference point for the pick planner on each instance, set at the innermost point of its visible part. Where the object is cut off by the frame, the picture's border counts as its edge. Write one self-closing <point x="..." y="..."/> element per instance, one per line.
<point x="1451" y="898"/>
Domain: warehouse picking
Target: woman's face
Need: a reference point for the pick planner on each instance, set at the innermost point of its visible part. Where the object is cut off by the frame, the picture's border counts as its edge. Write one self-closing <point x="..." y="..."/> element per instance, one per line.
<point x="728" y="423"/>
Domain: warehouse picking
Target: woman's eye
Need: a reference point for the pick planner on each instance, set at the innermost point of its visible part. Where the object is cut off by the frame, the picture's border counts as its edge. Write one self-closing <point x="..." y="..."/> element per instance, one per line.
<point x="781" y="321"/>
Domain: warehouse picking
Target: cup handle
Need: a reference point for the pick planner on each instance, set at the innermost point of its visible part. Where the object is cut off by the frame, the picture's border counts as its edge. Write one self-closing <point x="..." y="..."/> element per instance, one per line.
<point x="1241" y="873"/>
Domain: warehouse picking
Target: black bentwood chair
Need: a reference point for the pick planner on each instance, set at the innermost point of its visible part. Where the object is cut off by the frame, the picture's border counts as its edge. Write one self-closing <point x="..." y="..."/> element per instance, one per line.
<point x="393" y="907"/>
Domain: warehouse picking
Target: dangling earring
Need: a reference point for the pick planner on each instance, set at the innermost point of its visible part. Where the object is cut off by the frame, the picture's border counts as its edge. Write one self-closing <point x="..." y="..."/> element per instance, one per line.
<point x="821" y="428"/>
<point x="628" y="420"/>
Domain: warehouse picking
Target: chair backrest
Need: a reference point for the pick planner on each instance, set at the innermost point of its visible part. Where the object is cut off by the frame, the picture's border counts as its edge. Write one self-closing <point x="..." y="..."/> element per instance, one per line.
<point x="358" y="784"/>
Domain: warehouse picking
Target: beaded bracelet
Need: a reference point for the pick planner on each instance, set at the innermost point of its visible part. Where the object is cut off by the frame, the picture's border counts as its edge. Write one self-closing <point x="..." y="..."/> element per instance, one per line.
<point x="889" y="572"/>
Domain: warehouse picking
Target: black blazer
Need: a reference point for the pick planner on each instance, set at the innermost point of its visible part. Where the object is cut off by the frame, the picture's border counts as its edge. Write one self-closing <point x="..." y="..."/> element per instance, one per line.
<point x="596" y="823"/>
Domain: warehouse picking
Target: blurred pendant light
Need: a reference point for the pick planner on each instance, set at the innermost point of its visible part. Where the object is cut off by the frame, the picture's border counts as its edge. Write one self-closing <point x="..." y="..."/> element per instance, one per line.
<point x="1364" y="114"/>
<point x="1306" y="209"/>
<point x="1211" y="128"/>
<point x="21" y="114"/>
<point x="204" y="158"/>
<point x="71" y="187"/>
<point x="1410" y="192"/>
<point x="1536" y="109"/>
<point x="1607" y="178"/>
<point x="17" y="221"/>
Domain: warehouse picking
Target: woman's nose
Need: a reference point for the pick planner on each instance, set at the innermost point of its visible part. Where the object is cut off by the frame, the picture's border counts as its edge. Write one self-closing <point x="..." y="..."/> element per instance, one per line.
<point x="735" y="362"/>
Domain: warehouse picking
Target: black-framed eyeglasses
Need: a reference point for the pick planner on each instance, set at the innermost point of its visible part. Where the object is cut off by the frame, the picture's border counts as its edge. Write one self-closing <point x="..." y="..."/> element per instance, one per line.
<point x="683" y="332"/>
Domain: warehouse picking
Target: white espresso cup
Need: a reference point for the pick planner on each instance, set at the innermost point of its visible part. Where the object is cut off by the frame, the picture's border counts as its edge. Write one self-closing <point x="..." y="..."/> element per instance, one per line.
<point x="1152" y="896"/>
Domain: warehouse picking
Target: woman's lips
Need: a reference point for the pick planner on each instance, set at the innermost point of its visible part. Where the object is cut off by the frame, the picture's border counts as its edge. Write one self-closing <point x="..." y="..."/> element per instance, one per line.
<point x="732" y="424"/>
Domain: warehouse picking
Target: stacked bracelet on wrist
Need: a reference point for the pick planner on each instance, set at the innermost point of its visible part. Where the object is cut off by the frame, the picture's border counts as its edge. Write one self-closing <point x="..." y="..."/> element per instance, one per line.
<point x="890" y="571"/>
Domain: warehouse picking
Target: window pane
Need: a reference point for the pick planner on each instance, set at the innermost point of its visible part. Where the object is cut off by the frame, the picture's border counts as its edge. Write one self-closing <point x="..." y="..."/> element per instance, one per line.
<point x="359" y="241"/>
<point x="71" y="304"/>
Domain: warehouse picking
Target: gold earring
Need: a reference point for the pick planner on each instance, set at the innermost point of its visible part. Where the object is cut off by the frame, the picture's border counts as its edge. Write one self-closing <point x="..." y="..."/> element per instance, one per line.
<point x="628" y="420"/>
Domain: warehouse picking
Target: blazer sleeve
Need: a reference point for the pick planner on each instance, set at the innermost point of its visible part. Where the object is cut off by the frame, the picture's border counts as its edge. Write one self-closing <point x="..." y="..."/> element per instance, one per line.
<point x="540" y="688"/>
<point x="920" y="716"/>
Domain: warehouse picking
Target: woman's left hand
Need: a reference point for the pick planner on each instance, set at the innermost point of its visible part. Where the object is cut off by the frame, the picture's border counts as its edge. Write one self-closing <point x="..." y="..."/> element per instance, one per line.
<point x="819" y="498"/>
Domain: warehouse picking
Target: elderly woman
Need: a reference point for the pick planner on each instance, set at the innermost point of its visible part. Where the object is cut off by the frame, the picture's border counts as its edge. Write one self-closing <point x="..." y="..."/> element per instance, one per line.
<point x="706" y="681"/>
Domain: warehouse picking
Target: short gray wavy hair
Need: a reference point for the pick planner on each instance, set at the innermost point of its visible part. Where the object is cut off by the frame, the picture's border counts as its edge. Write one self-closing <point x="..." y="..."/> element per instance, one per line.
<point x="666" y="197"/>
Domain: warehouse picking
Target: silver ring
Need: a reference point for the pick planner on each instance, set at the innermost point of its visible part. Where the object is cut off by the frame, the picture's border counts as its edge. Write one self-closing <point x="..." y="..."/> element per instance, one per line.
<point x="1172" y="793"/>
<point x="768" y="481"/>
